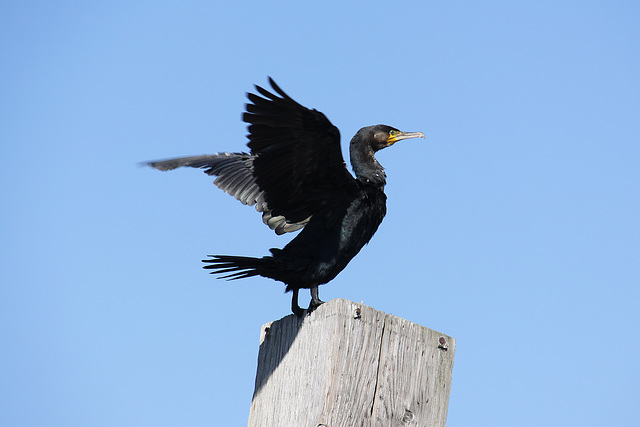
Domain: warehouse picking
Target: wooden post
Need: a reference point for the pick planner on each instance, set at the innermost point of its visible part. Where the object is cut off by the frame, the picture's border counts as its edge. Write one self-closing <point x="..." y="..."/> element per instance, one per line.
<point x="349" y="365"/>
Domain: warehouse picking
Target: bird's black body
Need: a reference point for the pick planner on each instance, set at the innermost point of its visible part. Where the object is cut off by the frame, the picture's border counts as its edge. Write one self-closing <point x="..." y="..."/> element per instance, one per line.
<point x="295" y="175"/>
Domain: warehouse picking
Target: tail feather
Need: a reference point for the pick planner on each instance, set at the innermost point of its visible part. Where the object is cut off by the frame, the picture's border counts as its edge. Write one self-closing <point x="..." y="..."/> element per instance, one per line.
<point x="241" y="267"/>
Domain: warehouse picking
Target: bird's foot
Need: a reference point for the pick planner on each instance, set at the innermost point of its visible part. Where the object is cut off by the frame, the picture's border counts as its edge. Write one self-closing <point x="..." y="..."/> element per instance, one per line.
<point x="298" y="312"/>
<point x="315" y="300"/>
<point x="313" y="305"/>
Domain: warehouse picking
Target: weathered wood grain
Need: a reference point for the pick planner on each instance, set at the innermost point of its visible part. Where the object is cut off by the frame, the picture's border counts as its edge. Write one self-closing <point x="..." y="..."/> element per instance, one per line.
<point x="414" y="380"/>
<point x="349" y="365"/>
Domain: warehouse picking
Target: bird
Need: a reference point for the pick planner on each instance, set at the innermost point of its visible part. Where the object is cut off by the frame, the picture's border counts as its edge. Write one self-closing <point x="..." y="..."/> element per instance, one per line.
<point x="296" y="177"/>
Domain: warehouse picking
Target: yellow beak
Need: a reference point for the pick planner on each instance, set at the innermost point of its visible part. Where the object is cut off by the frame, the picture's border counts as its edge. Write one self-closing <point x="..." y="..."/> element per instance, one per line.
<point x="397" y="136"/>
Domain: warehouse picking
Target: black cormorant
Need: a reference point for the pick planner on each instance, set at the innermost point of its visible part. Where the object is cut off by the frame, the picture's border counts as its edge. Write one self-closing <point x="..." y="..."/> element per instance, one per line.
<point x="296" y="176"/>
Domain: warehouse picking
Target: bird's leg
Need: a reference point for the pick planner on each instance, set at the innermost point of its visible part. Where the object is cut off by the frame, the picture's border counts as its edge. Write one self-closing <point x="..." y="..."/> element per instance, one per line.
<point x="295" y="308"/>
<point x="315" y="300"/>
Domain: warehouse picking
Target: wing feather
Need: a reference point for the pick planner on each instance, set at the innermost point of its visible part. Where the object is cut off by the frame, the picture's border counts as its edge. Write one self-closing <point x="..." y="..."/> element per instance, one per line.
<point x="295" y="168"/>
<point x="299" y="163"/>
<point x="234" y="175"/>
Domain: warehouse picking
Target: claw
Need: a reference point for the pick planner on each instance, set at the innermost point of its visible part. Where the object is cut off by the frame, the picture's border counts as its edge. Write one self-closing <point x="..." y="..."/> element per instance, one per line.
<point x="313" y="305"/>
<point x="315" y="300"/>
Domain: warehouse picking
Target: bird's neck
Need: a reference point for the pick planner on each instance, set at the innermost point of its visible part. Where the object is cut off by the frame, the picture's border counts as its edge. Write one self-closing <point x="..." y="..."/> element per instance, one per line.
<point x="366" y="167"/>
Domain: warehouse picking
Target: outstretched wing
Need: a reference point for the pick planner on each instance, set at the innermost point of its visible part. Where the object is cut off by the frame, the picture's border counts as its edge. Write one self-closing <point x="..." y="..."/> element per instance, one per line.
<point x="298" y="161"/>
<point x="295" y="168"/>
<point x="234" y="172"/>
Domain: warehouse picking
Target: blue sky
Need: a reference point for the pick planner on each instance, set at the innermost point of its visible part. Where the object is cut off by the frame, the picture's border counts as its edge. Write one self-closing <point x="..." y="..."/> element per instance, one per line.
<point x="513" y="227"/>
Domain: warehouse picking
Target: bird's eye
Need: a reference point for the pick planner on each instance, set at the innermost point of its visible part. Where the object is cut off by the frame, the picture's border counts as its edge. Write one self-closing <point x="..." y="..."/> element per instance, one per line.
<point x="392" y="133"/>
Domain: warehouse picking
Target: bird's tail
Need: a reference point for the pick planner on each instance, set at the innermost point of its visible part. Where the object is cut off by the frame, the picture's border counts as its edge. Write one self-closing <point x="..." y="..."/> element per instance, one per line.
<point x="240" y="267"/>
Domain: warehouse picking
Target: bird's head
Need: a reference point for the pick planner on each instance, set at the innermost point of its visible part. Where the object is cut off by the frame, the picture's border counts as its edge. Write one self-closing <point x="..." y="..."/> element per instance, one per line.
<point x="366" y="142"/>
<point x="382" y="136"/>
